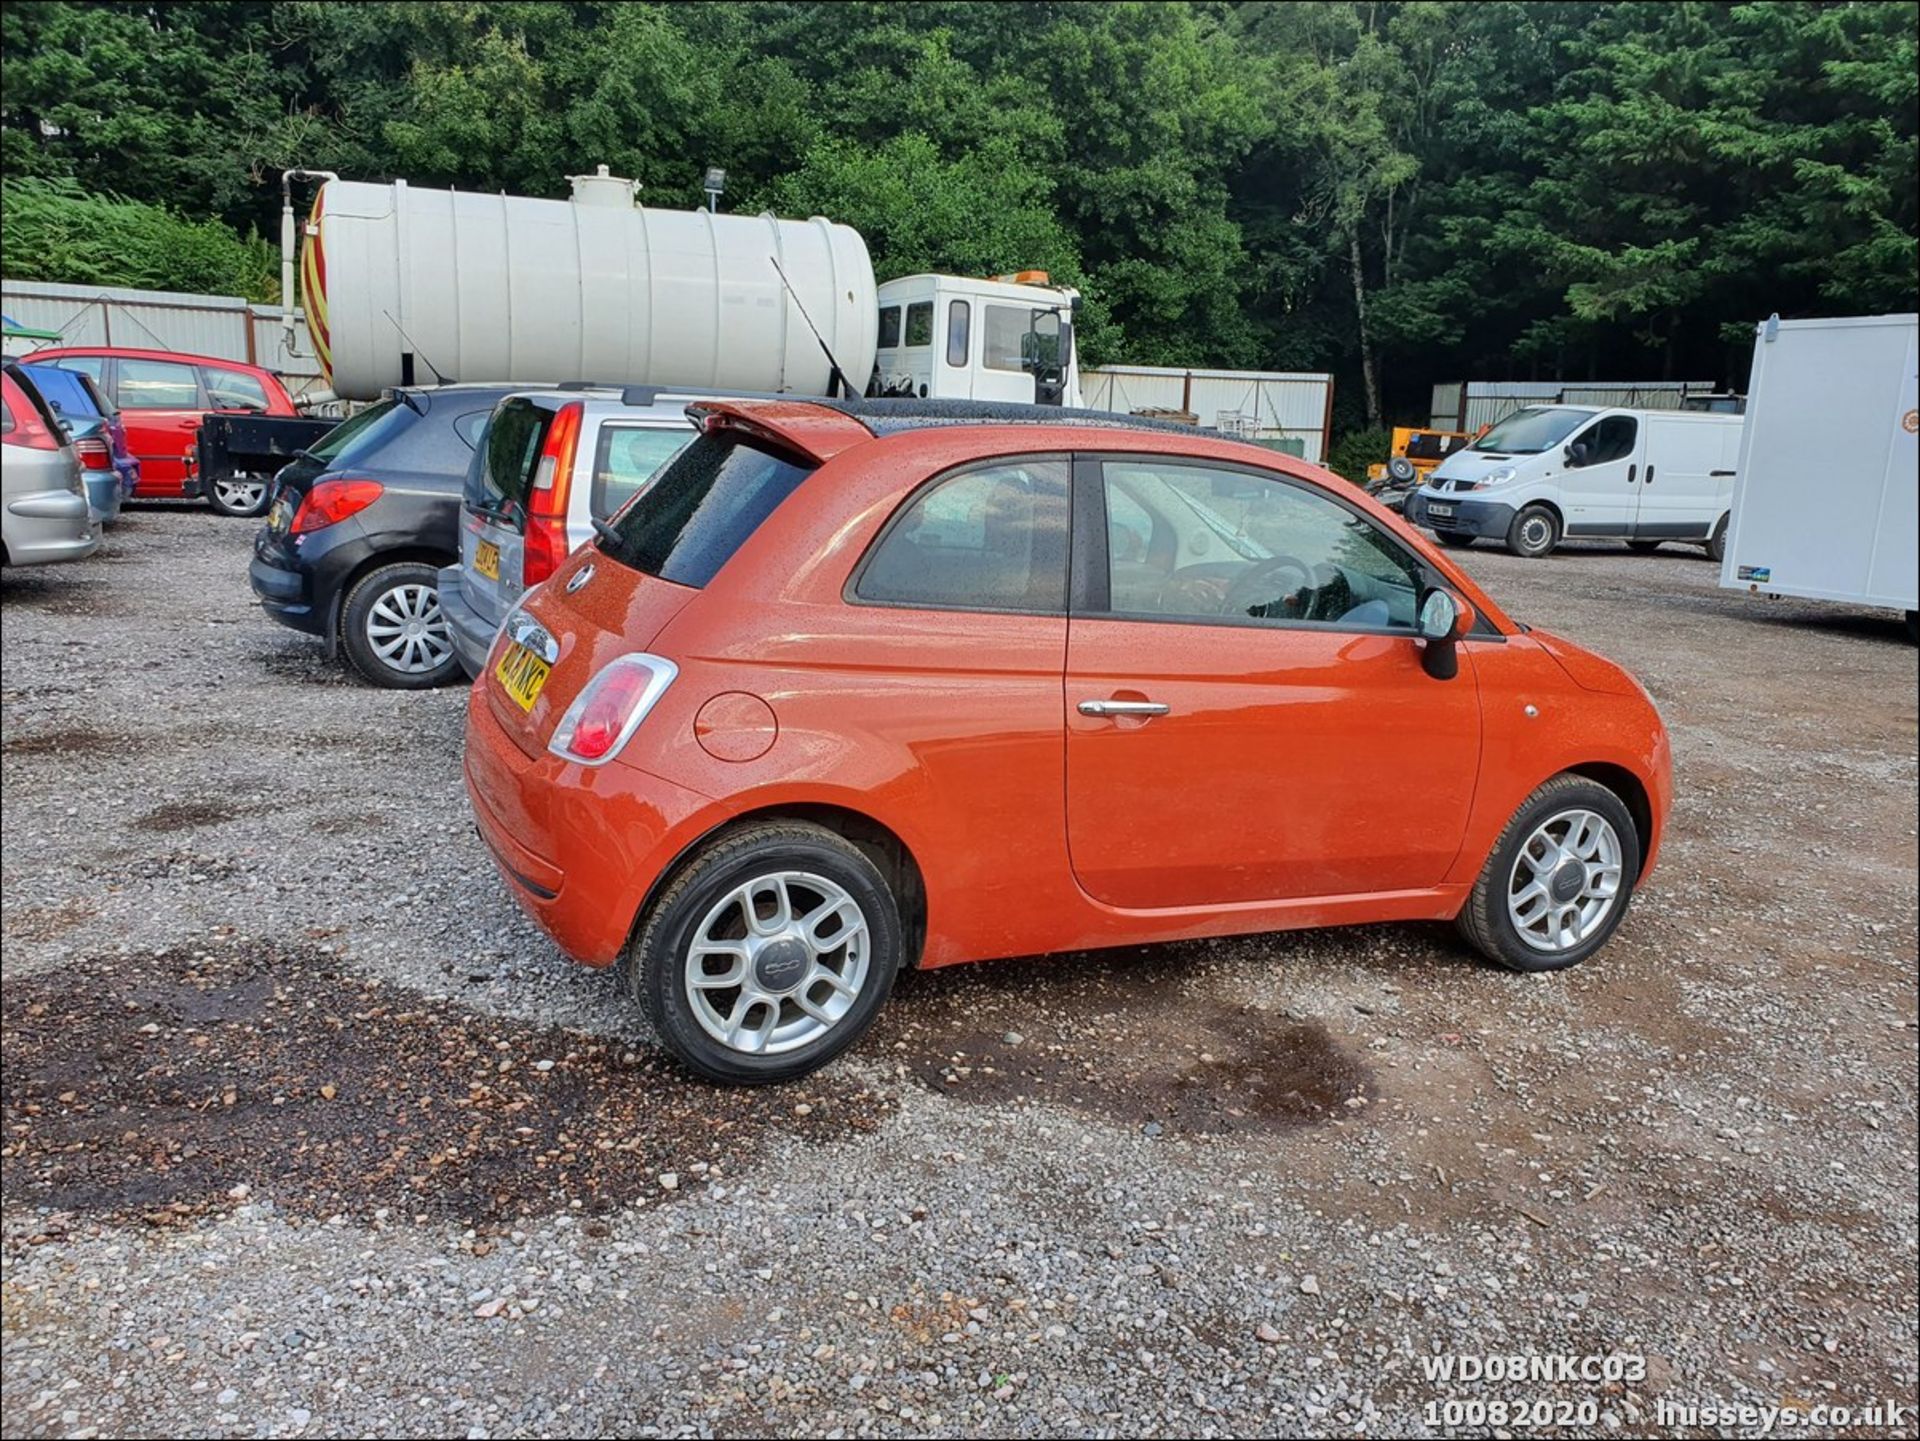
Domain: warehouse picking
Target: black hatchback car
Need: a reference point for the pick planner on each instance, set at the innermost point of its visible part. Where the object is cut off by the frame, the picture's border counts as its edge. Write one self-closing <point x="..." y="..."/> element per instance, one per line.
<point x="359" y="527"/>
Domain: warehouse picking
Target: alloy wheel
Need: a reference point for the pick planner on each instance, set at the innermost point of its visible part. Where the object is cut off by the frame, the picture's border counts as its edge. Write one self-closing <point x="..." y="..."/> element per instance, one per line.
<point x="1565" y="881"/>
<point x="407" y="630"/>
<point x="240" y="494"/>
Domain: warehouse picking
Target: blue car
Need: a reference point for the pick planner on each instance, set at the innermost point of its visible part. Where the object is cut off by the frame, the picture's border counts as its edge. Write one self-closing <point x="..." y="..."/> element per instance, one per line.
<point x="109" y="468"/>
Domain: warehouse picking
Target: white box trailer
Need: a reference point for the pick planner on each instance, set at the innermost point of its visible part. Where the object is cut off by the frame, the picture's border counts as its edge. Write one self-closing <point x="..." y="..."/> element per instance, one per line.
<point x="1826" y="505"/>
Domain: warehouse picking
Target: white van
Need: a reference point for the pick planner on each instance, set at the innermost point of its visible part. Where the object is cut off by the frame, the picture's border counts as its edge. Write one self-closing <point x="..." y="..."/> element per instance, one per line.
<point x="1555" y="471"/>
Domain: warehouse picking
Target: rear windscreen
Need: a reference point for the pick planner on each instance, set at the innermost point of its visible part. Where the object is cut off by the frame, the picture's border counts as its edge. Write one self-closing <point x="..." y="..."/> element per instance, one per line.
<point x="701" y="508"/>
<point x="501" y="474"/>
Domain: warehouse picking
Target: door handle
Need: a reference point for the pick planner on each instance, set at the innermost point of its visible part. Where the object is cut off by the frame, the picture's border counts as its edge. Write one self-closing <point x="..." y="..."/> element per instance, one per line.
<point x="1631" y="470"/>
<point x="1121" y="707"/>
<point x="1649" y="475"/>
<point x="1716" y="474"/>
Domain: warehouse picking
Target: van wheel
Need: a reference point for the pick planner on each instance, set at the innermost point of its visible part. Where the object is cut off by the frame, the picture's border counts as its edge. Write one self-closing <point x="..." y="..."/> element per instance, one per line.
<point x="1457" y="539"/>
<point x="768" y="955"/>
<point x="1559" y="880"/>
<point x="1535" y="532"/>
<point x="240" y="495"/>
<point x="394" y="631"/>
<point x="1717" y="542"/>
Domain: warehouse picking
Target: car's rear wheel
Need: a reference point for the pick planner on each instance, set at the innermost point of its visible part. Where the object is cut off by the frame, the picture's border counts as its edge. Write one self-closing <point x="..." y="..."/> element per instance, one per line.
<point x="394" y="631"/>
<point x="769" y="954"/>
<point x="1717" y="542"/>
<point x="241" y="494"/>
<point x="1535" y="532"/>
<point x="1458" y="539"/>
<point x="1559" y="880"/>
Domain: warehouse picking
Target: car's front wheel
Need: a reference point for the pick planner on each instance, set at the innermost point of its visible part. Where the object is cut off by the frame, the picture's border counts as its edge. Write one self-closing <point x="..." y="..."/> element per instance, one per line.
<point x="1559" y="880"/>
<point x="1535" y="532"/>
<point x="393" y="630"/>
<point x="240" y="494"/>
<point x="769" y="954"/>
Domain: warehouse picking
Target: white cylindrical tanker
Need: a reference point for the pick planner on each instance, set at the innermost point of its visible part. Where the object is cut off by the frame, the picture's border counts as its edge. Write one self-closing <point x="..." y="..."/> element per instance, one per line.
<point x="405" y="285"/>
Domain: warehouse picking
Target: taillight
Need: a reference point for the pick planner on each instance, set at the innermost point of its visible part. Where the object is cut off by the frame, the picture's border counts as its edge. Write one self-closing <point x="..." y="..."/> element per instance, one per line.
<point x="93" y="453"/>
<point x="333" y="500"/>
<point x="546" y="530"/>
<point x="610" y="708"/>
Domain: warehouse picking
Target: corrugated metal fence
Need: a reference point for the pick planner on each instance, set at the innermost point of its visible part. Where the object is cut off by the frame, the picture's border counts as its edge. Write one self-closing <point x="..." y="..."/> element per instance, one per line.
<point x="223" y="326"/>
<point x="1291" y="410"/>
<point x="1469" y="405"/>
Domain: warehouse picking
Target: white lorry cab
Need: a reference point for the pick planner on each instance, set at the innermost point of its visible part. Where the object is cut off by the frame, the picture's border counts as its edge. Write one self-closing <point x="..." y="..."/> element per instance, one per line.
<point x="1007" y="338"/>
<point x="1551" y="472"/>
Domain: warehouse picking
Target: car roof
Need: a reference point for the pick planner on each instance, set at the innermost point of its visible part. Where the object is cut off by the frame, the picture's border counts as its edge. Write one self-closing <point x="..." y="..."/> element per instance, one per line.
<point x="134" y="352"/>
<point x="666" y="403"/>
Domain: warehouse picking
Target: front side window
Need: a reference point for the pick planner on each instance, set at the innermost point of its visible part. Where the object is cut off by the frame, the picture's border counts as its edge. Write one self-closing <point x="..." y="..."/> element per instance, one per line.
<point x="1006" y="327"/>
<point x="626" y="458"/>
<point x="157" y="385"/>
<point x="1191" y="543"/>
<point x="1610" y="439"/>
<point x="234" y="390"/>
<point x="701" y="508"/>
<point x="889" y="327"/>
<point x="920" y="323"/>
<point x="959" y="314"/>
<point x="993" y="538"/>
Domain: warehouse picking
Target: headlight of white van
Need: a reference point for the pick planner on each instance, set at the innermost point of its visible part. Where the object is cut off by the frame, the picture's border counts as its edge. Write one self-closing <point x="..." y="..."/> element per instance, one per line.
<point x="1499" y="477"/>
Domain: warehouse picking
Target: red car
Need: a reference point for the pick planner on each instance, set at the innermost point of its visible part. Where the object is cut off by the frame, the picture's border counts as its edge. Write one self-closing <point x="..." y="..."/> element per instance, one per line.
<point x="162" y="395"/>
<point x="848" y="687"/>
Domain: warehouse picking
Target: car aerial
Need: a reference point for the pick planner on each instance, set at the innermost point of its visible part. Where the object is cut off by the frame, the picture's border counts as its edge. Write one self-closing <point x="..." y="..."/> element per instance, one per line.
<point x="99" y="437"/>
<point x="46" y="515"/>
<point x="550" y="464"/>
<point x="162" y="396"/>
<point x="852" y="686"/>
<point x="361" y="527"/>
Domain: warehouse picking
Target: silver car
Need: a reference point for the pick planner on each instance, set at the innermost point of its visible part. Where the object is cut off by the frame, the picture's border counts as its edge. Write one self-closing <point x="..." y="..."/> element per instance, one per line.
<point x="46" y="515"/>
<point x="549" y="464"/>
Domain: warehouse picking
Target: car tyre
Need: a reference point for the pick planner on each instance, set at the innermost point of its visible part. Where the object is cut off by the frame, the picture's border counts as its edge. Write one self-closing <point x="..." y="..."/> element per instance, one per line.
<point x="393" y="630"/>
<point x="1491" y="921"/>
<point x="241" y="495"/>
<point x="688" y="927"/>
<point x="1534" y="533"/>
<point x="1717" y="542"/>
<point x="1456" y="539"/>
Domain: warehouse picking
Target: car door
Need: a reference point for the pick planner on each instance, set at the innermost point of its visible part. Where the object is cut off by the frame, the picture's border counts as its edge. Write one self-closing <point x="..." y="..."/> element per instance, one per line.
<point x="161" y="405"/>
<point x="1600" y="481"/>
<point x="1247" y="716"/>
<point x="1687" y="484"/>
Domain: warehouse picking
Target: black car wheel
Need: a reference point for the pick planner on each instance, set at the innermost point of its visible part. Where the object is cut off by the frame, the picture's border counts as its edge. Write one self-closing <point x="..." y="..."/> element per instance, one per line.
<point x="394" y="631"/>
<point x="241" y="494"/>
<point x="769" y="954"/>
<point x="1535" y="532"/>
<point x="1559" y="880"/>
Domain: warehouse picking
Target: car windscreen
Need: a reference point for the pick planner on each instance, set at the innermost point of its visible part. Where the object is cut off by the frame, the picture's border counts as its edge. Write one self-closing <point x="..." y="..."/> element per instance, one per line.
<point x="1530" y="431"/>
<point x="501" y="473"/>
<point x="701" y="508"/>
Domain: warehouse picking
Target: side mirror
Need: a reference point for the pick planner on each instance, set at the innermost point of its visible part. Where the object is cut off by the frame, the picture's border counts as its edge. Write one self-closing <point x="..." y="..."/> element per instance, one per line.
<point x="1444" y="619"/>
<point x="1577" y="453"/>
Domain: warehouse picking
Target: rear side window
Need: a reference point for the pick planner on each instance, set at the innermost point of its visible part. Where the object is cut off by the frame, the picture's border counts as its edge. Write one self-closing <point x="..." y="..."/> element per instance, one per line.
<point x="510" y="450"/>
<point x="157" y="385"/>
<point x="702" y="508"/>
<point x="994" y="538"/>
<point x="234" y="389"/>
<point x="626" y="456"/>
<point x="920" y="323"/>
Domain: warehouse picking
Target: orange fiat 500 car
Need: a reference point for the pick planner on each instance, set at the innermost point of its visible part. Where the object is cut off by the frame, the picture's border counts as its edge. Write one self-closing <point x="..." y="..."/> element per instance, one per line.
<point x="856" y="686"/>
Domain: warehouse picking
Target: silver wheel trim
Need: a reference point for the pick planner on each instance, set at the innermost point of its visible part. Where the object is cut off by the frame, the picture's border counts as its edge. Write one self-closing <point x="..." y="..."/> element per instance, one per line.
<point x="722" y="979"/>
<point x="1547" y="923"/>
<point x="407" y="631"/>
<point x="1535" y="532"/>
<point x="240" y="492"/>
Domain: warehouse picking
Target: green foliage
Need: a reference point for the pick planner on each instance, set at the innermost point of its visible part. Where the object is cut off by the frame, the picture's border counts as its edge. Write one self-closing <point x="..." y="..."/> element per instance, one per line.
<point x="1352" y="452"/>
<point x="55" y="232"/>
<point x="1401" y="191"/>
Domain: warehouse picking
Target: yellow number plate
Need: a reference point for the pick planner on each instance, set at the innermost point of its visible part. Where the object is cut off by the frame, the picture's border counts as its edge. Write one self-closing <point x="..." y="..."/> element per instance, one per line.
<point x="522" y="674"/>
<point x="486" y="559"/>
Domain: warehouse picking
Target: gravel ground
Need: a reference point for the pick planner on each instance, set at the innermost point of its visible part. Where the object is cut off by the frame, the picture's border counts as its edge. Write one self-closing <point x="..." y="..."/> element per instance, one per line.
<point x="307" y="1131"/>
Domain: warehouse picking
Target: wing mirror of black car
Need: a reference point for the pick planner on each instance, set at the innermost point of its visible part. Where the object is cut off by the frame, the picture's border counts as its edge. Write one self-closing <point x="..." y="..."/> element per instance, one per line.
<point x="1444" y="619"/>
<point x="1577" y="453"/>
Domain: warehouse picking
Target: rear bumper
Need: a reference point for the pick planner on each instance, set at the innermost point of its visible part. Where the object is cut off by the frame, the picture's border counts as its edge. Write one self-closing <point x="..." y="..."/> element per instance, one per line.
<point x="49" y="525"/>
<point x="579" y="847"/>
<point x="472" y="632"/>
<point x="1470" y="517"/>
<point x="104" y="493"/>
